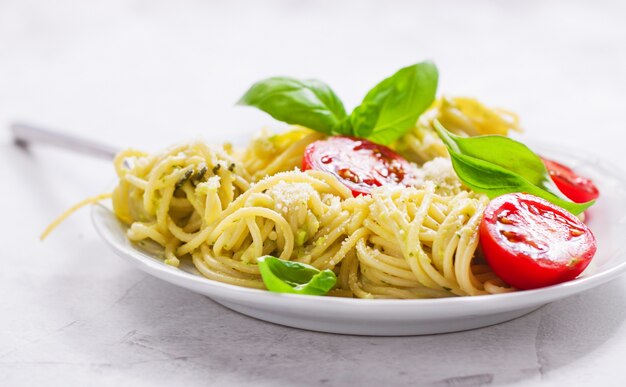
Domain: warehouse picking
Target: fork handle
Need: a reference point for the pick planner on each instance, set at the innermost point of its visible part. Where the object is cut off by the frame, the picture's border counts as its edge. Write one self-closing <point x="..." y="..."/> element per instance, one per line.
<point x="25" y="135"/>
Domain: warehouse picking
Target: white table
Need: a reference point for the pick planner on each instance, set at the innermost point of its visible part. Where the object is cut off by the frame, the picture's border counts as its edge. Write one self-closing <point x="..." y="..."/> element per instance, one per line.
<point x="148" y="73"/>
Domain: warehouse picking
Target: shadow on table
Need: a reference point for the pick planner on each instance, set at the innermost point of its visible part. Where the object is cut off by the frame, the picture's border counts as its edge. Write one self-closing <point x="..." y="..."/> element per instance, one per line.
<point x="164" y="333"/>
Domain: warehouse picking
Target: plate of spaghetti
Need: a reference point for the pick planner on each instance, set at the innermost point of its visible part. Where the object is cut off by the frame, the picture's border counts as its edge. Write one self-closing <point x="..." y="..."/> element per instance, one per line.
<point x="412" y="214"/>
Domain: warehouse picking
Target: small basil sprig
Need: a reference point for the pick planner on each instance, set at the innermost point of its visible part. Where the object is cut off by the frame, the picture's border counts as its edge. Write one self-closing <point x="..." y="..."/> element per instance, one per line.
<point x="497" y="165"/>
<point x="393" y="106"/>
<point x="293" y="277"/>
<point x="387" y="112"/>
<point x="310" y="103"/>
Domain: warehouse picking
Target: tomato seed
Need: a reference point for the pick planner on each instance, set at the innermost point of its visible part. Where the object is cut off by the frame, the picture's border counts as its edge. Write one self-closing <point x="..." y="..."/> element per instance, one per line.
<point x="504" y="220"/>
<point x="575" y="232"/>
<point x="346" y="173"/>
<point x="326" y="159"/>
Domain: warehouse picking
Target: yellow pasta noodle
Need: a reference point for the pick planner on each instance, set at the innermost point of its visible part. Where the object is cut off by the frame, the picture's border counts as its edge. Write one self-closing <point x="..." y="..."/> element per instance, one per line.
<point x="222" y="210"/>
<point x="461" y="115"/>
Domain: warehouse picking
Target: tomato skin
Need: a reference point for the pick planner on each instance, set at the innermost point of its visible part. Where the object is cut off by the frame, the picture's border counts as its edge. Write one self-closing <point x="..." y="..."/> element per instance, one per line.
<point x="359" y="164"/>
<point x="531" y="243"/>
<point x="577" y="188"/>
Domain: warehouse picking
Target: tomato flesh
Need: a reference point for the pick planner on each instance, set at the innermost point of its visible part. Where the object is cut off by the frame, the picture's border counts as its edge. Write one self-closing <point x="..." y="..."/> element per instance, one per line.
<point x="531" y="243"/>
<point x="577" y="188"/>
<point x="359" y="164"/>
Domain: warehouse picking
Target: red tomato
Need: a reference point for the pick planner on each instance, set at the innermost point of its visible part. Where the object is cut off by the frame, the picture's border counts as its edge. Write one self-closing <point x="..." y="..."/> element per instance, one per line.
<point x="359" y="164"/>
<point x="579" y="189"/>
<point x="530" y="243"/>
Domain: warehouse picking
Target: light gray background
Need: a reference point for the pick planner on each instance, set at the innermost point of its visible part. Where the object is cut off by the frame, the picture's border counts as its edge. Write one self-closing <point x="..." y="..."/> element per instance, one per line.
<point x="149" y="73"/>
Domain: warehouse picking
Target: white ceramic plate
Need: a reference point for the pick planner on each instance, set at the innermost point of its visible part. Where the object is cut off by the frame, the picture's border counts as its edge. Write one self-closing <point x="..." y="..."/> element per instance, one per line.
<point x="405" y="317"/>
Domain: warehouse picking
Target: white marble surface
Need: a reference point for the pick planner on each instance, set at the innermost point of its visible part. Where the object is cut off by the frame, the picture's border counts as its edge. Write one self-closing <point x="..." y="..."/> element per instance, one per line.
<point x="147" y="73"/>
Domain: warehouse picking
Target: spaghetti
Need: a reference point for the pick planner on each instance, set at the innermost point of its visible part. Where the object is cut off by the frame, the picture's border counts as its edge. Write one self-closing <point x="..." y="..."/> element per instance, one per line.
<point x="460" y="115"/>
<point x="223" y="210"/>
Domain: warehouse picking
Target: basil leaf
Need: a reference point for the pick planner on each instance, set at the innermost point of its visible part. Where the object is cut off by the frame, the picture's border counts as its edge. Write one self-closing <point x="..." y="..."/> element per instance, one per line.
<point x="310" y="103"/>
<point x="393" y="106"/>
<point x="502" y="181"/>
<point x="293" y="277"/>
<point x="505" y="152"/>
<point x="497" y="165"/>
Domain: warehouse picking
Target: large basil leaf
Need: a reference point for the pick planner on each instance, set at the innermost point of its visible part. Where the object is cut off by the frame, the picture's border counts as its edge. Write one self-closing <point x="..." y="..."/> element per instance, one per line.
<point x="393" y="106"/>
<point x="293" y="277"/>
<point x="497" y="165"/>
<point x="310" y="103"/>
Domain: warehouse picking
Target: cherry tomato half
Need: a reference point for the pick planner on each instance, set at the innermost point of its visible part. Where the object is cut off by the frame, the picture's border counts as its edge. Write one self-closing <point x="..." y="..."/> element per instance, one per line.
<point x="531" y="243"/>
<point x="359" y="164"/>
<point x="579" y="189"/>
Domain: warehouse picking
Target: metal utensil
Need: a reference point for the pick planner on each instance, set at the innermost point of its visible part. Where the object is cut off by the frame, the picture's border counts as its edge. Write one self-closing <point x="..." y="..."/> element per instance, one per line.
<point x="25" y="135"/>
